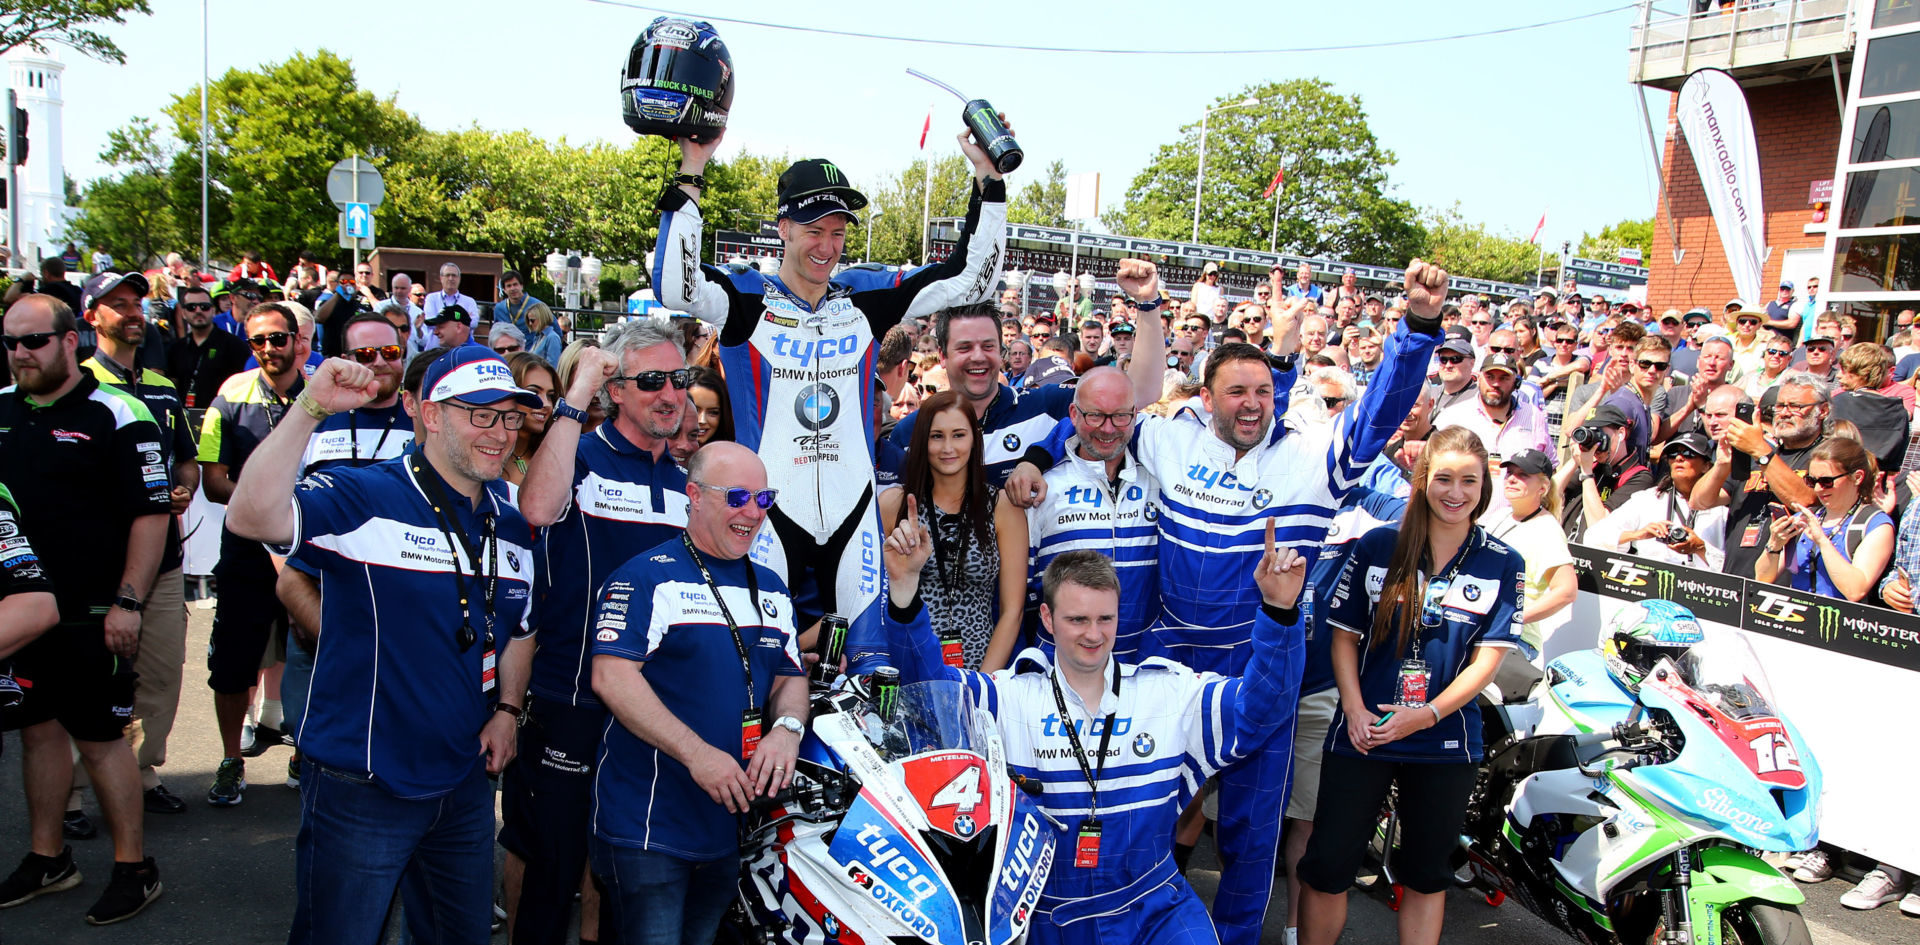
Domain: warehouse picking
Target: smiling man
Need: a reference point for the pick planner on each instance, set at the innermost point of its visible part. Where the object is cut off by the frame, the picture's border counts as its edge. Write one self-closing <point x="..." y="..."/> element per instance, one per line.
<point x="798" y="348"/>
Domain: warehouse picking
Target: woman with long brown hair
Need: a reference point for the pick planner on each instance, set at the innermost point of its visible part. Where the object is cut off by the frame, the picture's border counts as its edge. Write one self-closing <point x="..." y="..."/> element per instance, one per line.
<point x="533" y="373"/>
<point x="974" y="585"/>
<point x="1422" y="615"/>
<point x="1840" y="546"/>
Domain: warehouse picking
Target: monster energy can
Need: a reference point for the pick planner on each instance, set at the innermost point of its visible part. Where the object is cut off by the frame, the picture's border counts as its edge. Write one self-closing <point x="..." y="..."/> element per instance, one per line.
<point x="886" y="692"/>
<point x="832" y="647"/>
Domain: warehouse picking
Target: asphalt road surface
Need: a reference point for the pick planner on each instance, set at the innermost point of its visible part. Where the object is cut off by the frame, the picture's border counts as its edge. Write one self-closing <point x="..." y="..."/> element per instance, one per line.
<point x="229" y="871"/>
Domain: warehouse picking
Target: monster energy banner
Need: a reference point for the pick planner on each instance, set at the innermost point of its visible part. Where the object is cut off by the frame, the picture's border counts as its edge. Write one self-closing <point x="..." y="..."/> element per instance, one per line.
<point x="1831" y="624"/>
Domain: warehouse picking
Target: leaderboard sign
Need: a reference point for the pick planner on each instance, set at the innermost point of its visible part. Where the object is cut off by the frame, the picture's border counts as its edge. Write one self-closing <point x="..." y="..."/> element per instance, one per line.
<point x="733" y="244"/>
<point x="1839" y="625"/>
<point x="1597" y="274"/>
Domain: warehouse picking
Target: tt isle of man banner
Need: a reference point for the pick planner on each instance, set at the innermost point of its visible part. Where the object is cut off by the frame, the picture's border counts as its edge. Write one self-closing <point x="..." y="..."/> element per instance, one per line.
<point x="1713" y="114"/>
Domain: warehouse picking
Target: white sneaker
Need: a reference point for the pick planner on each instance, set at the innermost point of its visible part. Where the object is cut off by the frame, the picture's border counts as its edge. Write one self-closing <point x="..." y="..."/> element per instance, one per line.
<point x="1814" y="867"/>
<point x="246" y="736"/>
<point x="1880" y="886"/>
<point x="1792" y="862"/>
<point x="1911" y="904"/>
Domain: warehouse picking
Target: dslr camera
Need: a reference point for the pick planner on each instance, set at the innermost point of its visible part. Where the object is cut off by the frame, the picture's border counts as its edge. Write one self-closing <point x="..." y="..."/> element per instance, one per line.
<point x="1592" y="438"/>
<point x="1677" y="535"/>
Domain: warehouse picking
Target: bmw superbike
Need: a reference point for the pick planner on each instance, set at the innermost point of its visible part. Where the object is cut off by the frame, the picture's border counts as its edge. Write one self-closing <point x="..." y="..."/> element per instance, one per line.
<point x="902" y="823"/>
<point x="1637" y="814"/>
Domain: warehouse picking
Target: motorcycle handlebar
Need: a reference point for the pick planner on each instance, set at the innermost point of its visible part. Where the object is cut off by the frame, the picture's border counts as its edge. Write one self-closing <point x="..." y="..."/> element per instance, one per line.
<point x="764" y="804"/>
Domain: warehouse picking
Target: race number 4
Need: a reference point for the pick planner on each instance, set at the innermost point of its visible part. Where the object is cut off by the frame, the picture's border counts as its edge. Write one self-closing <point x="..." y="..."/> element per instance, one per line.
<point x="962" y="793"/>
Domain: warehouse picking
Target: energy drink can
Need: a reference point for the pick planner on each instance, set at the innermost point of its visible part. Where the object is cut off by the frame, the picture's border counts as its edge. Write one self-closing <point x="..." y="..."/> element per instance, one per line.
<point x="832" y="647"/>
<point x="993" y="135"/>
<point x="886" y="692"/>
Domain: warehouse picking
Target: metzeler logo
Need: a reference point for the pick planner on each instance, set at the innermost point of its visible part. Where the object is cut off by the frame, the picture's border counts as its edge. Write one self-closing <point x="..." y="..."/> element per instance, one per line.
<point x="1626" y="574"/>
<point x="1779" y="607"/>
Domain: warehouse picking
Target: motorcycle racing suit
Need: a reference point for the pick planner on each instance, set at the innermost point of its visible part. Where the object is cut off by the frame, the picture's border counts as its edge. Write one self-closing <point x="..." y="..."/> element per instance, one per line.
<point x="1171" y="728"/>
<point x="1084" y="509"/>
<point x="800" y="379"/>
<point x="1213" y="510"/>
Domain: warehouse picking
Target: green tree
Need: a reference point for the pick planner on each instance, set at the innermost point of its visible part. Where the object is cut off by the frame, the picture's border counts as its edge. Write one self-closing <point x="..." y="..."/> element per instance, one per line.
<point x="1041" y="202"/>
<point x="1469" y="249"/>
<point x="897" y="205"/>
<point x="272" y="135"/>
<point x="130" y="216"/>
<point x="37" y="24"/>
<point x="1334" y="201"/>
<point x="1637" y="234"/>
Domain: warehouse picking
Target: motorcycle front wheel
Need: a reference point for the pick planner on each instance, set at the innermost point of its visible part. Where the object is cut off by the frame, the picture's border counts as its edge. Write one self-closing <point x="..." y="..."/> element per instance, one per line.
<point x="1763" y="923"/>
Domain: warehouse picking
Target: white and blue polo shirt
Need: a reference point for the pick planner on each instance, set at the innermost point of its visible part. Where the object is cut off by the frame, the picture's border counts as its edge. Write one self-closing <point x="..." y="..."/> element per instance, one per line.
<point x="395" y="696"/>
<point x="658" y="611"/>
<point x="623" y="502"/>
<point x="1481" y="607"/>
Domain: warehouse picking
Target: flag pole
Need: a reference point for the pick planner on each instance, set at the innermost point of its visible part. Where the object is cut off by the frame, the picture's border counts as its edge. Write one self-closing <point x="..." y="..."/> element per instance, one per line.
<point x="926" y="197"/>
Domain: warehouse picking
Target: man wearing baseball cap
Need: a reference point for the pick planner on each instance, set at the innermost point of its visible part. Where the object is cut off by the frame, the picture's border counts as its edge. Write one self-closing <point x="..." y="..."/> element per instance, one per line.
<point x="1504" y="423"/>
<point x="1606" y="471"/>
<point x="452" y="326"/>
<point x="425" y="571"/>
<point x="797" y="346"/>
<point x="1454" y="357"/>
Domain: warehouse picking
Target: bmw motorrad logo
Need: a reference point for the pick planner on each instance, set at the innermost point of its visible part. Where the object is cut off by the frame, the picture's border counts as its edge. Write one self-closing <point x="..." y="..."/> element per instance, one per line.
<point x="1471" y="592"/>
<point x="1153" y="512"/>
<point x="513" y="560"/>
<point x="1011" y="442"/>
<point x="963" y="825"/>
<point x="1262" y="498"/>
<point x="830" y="925"/>
<point x="1142" y="745"/>
<point x="767" y="607"/>
<point x="817" y="407"/>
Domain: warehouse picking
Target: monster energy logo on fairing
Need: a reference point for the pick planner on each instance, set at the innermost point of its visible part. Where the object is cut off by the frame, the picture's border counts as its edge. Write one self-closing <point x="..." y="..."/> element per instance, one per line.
<point x="1664" y="581"/>
<point x="1829" y="623"/>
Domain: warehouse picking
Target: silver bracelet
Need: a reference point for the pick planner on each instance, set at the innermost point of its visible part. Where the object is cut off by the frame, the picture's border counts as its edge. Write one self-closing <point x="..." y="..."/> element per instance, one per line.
<point x="1436" y="712"/>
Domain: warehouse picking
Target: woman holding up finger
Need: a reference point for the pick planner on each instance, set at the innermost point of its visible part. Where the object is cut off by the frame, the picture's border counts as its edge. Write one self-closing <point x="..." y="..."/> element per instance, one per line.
<point x="1423" y="614"/>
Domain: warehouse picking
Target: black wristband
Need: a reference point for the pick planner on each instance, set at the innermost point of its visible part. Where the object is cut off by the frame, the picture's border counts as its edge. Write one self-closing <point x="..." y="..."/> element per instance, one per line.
<point x="509" y="708"/>
<point x="695" y="180"/>
<point x="905" y="614"/>
<point x="1284" y="616"/>
<point x="673" y="198"/>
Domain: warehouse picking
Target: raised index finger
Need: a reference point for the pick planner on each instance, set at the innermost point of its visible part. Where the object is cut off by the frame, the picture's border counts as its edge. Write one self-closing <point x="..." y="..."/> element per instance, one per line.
<point x="1269" y="534"/>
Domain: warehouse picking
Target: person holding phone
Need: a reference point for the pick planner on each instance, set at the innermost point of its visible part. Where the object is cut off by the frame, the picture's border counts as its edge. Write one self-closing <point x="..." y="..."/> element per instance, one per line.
<point x="1839" y="546"/>
<point x="1423" y="615"/>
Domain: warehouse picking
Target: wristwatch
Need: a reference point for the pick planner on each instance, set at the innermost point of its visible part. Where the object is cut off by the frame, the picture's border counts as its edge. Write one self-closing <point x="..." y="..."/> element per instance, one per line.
<point x="791" y="724"/>
<point x="130" y="604"/>
<point x="569" y="411"/>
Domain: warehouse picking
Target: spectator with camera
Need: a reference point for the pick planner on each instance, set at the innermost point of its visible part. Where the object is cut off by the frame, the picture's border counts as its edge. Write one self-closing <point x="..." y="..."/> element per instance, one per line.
<point x="1606" y="471"/>
<point x="1758" y="476"/>
<point x="1839" y="545"/>
<point x="1660" y="523"/>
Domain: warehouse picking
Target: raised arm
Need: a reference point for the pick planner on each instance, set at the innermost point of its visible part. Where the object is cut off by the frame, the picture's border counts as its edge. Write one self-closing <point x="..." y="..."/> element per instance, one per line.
<point x="1365" y="426"/>
<point x="262" y="507"/>
<point x="1240" y="713"/>
<point x="679" y="281"/>
<point x="910" y="637"/>
<point x="546" y="492"/>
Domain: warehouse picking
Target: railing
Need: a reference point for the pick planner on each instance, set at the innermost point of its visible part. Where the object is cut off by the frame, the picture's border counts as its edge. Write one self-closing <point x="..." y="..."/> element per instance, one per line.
<point x="1668" y="44"/>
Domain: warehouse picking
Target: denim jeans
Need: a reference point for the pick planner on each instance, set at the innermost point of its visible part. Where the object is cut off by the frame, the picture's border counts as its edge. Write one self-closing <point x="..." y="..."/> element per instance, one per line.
<point x="660" y="899"/>
<point x="357" y="843"/>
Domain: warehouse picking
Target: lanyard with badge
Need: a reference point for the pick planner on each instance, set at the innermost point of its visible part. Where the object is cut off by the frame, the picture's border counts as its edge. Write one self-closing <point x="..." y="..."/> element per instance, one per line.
<point x="456" y="542"/>
<point x="353" y="436"/>
<point x="1416" y="677"/>
<point x="749" y="717"/>
<point x="1086" y="848"/>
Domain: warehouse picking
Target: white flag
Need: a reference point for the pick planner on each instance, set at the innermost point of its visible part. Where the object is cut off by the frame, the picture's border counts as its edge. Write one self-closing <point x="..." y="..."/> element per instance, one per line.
<point x="1713" y="114"/>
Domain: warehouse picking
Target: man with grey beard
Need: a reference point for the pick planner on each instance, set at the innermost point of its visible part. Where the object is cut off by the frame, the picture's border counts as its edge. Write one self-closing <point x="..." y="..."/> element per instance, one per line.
<point x="1799" y="424"/>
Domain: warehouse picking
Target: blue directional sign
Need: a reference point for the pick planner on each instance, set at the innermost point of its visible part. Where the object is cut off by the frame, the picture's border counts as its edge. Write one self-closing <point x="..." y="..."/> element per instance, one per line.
<point x="359" y="221"/>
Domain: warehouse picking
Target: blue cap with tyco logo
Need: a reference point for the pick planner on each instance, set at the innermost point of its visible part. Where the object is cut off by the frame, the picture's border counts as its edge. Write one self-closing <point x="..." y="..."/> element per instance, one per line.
<point x="474" y="375"/>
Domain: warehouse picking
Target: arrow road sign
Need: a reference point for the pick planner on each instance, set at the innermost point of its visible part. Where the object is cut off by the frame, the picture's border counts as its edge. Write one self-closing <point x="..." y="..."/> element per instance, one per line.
<point x="355" y="180"/>
<point x="359" y="221"/>
<point x="362" y="242"/>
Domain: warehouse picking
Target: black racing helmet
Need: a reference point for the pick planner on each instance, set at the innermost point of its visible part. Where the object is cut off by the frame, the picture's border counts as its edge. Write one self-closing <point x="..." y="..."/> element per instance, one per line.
<point x="678" y="81"/>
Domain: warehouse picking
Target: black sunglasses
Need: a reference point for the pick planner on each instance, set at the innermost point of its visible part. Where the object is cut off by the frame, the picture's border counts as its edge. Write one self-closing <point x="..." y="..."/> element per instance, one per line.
<point x="1451" y="359"/>
<point x="738" y="497"/>
<point x="654" y="380"/>
<point x="1822" y="482"/>
<point x="1647" y="365"/>
<point x="31" y="342"/>
<point x="197" y="306"/>
<point x="378" y="352"/>
<point x="1566" y="341"/>
<point x="1751" y="322"/>
<point x="1333" y="403"/>
<point x="272" y="339"/>
<point x="1777" y="353"/>
<point x="251" y="296"/>
<point x="1496" y="349"/>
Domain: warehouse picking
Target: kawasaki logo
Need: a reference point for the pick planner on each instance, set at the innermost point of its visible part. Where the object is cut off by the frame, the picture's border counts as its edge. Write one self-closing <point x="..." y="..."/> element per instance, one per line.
<point x="1829" y="623"/>
<point x="1779" y="607"/>
<point x="1626" y="574"/>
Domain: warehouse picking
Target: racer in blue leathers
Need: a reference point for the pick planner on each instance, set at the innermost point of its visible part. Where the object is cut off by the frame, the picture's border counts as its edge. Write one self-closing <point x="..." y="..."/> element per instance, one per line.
<point x="798" y="349"/>
<point x="1221" y="478"/>
<point x="1134" y="745"/>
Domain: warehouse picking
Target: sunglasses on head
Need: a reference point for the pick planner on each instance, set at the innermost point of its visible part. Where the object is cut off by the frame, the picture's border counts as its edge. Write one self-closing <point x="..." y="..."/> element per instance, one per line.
<point x="31" y="342"/>
<point x="654" y="380"/>
<point x="378" y="352"/>
<point x="250" y="296"/>
<point x="738" y="497"/>
<point x="272" y="339"/>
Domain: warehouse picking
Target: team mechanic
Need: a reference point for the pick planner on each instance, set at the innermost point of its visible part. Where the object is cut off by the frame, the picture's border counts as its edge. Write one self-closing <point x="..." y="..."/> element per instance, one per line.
<point x="1221" y="479"/>
<point x="1114" y="881"/>
<point x="799" y="351"/>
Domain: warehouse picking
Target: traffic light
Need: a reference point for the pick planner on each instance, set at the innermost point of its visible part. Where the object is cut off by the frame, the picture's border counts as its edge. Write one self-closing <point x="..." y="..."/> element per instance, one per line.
<point x="17" y="146"/>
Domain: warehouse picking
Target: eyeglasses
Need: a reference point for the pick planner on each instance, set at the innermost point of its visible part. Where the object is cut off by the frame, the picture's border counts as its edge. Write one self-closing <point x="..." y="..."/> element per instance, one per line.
<point x="1119" y="419"/>
<point x="272" y="339"/>
<point x="1654" y="366"/>
<point x="1747" y="322"/>
<point x="485" y="417"/>
<point x="738" y="497"/>
<point x="1566" y="341"/>
<point x="1795" y="408"/>
<point x="31" y="342"/>
<point x="1333" y="403"/>
<point x="378" y="352"/>
<point x="1451" y="359"/>
<point x="197" y="306"/>
<point x="1777" y="353"/>
<point x="511" y="349"/>
<point x="654" y="380"/>
<point x="1497" y="349"/>
<point x="1822" y="482"/>
<point x="1481" y="323"/>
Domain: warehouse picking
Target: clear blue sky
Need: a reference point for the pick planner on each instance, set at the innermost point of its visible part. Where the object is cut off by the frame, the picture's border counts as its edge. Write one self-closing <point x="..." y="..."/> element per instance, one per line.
<point x="1507" y="125"/>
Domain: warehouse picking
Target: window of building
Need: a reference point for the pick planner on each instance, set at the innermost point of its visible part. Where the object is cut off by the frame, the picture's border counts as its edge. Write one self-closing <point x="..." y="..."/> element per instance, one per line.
<point x="1876" y="263"/>
<point x="1893" y="66"/>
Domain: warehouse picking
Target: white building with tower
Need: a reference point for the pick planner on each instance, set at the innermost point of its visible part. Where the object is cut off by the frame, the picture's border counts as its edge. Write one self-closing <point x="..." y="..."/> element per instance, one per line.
<point x="35" y="79"/>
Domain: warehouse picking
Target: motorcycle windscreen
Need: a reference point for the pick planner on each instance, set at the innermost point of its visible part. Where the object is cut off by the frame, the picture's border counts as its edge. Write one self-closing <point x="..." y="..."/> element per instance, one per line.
<point x="882" y="863"/>
<point x="1022" y="872"/>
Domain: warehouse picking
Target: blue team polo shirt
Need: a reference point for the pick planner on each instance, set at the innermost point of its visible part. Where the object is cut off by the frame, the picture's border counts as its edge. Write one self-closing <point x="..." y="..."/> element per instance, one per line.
<point x="395" y="696"/>
<point x="623" y="502"/>
<point x="1481" y="608"/>
<point x="1013" y="422"/>
<point x="657" y="610"/>
<point x="359" y="437"/>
